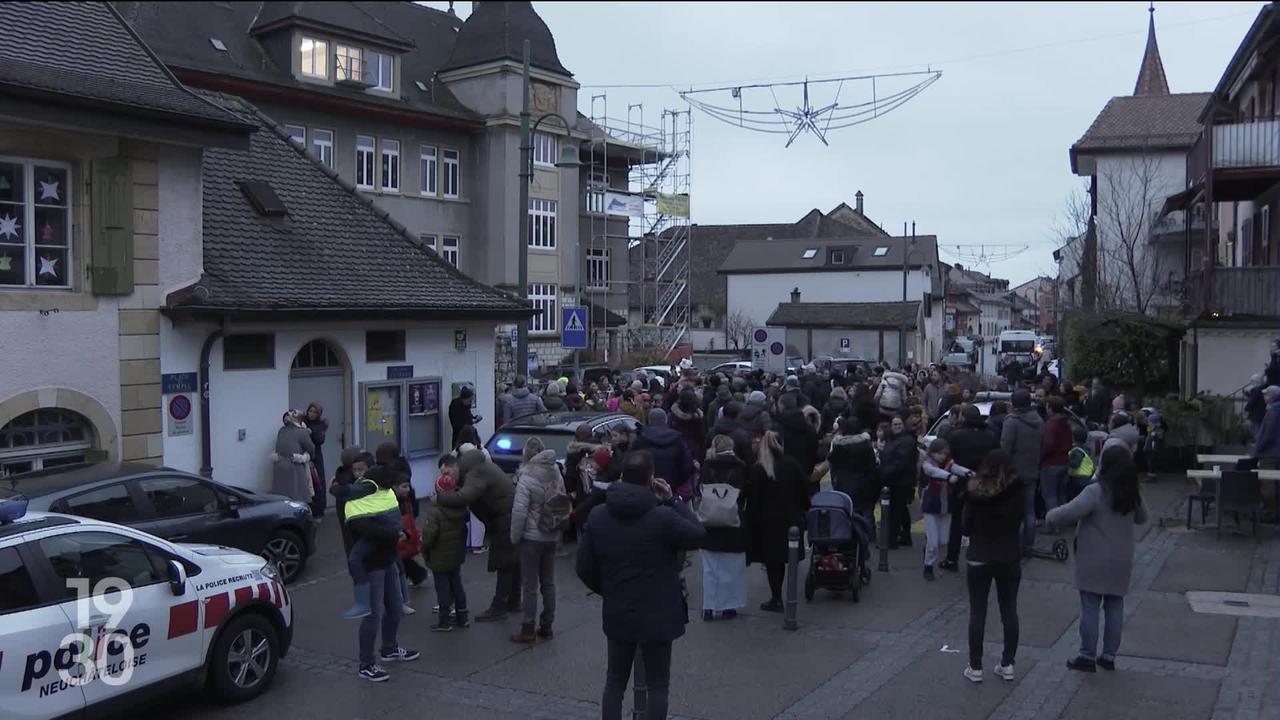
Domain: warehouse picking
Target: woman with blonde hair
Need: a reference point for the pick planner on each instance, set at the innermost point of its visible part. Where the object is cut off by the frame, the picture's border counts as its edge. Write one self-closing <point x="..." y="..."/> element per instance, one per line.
<point x="777" y="499"/>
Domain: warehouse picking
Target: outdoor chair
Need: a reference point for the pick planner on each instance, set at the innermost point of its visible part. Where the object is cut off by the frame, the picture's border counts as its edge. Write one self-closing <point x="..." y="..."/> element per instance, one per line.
<point x="1207" y="495"/>
<point x="1240" y="493"/>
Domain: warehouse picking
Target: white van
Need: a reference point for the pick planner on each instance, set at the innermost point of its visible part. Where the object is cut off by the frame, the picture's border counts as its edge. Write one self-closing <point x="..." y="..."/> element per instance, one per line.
<point x="1019" y="344"/>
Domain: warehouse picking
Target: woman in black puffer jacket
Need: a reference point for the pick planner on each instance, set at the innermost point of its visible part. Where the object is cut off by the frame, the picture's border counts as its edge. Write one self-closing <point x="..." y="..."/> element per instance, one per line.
<point x="853" y="472"/>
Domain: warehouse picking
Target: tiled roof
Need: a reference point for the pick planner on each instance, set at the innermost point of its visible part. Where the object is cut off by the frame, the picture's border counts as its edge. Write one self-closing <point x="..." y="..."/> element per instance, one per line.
<point x="1151" y="79"/>
<point x="845" y="315"/>
<point x="497" y="31"/>
<point x="788" y="255"/>
<point x="334" y="252"/>
<point x="85" y="53"/>
<point x="340" y="17"/>
<point x="180" y="33"/>
<point x="1145" y="121"/>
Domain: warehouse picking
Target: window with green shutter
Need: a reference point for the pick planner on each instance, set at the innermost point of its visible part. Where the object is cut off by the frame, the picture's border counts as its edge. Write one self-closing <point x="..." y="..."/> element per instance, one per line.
<point x="111" y="254"/>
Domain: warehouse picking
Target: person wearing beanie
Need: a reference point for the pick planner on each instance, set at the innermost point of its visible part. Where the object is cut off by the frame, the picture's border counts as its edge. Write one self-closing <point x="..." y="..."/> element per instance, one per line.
<point x="730" y="424"/>
<point x="724" y="555"/>
<point x="553" y="397"/>
<point x="522" y="402"/>
<point x="754" y="416"/>
<point x="1022" y="438"/>
<point x="461" y="414"/>
<point x="444" y="548"/>
<point x="672" y="460"/>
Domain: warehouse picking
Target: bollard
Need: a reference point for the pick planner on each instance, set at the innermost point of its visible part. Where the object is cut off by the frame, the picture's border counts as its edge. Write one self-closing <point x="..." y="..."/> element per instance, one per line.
<point x="793" y="581"/>
<point x="884" y="529"/>
<point x="639" y="688"/>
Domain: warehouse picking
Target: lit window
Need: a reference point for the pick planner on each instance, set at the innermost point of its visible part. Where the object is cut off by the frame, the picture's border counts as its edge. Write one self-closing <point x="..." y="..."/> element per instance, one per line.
<point x="391" y="165"/>
<point x="451" y="182"/>
<point x="543" y="297"/>
<point x="348" y="63"/>
<point x="380" y="70"/>
<point x="544" y="149"/>
<point x="430" y="169"/>
<point x="598" y="268"/>
<point x="35" y="223"/>
<point x="542" y="223"/>
<point x="315" y="58"/>
<point x="810" y="253"/>
<point x="881" y="251"/>
<point x="296" y="133"/>
<point x="449" y="248"/>
<point x="322" y="145"/>
<point x="365" y="150"/>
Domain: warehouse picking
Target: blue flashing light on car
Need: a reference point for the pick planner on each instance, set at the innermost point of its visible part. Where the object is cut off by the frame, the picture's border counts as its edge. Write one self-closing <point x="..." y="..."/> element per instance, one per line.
<point x="503" y="443"/>
<point x="12" y="509"/>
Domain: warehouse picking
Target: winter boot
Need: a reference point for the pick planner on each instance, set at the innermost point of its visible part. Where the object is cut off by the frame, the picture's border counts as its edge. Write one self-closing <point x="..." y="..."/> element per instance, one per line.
<point x="461" y="619"/>
<point x="360" y="606"/>
<point x="525" y="636"/>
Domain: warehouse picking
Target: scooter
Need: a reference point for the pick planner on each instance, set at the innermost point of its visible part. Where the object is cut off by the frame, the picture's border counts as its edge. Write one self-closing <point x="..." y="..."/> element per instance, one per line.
<point x="1058" y="551"/>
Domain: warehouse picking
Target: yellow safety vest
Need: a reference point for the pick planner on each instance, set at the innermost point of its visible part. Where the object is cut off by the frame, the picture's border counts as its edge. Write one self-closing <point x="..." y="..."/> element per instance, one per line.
<point x="380" y="500"/>
<point x="1085" y="468"/>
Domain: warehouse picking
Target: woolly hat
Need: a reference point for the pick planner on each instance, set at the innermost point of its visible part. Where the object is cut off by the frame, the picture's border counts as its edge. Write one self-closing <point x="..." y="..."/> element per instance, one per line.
<point x="554" y="389"/>
<point x="756" y="398"/>
<point x="1021" y="399"/>
<point x="793" y="380"/>
<point x="657" y="418"/>
<point x="601" y="457"/>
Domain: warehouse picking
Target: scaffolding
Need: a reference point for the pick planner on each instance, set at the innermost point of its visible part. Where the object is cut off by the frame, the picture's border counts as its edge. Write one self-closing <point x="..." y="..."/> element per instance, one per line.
<point x="643" y="171"/>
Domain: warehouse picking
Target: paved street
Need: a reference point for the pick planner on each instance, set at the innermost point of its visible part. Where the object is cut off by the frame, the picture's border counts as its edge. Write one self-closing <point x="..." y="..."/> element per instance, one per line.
<point x="897" y="654"/>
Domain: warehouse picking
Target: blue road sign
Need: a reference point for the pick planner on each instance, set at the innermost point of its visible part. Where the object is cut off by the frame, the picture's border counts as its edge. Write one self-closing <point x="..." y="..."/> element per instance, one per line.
<point x="573" y="327"/>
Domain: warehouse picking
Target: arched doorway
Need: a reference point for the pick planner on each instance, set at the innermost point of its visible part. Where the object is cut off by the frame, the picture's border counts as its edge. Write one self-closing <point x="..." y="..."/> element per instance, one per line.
<point x="319" y="375"/>
<point x="45" y="438"/>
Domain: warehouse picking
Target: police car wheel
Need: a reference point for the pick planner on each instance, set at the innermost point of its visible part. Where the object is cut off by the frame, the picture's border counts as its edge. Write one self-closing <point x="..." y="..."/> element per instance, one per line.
<point x="284" y="550"/>
<point x="244" y="659"/>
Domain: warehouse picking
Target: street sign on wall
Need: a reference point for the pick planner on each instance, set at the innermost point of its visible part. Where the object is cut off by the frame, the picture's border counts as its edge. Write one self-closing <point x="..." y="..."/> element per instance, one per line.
<point x="769" y="349"/>
<point x="573" y="328"/>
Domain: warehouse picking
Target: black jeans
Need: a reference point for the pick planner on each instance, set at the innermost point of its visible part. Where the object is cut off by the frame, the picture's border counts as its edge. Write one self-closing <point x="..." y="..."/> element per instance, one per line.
<point x="449" y="592"/>
<point x="1006" y="577"/>
<point x="953" y="541"/>
<point x="506" y="592"/>
<point x="776" y="573"/>
<point x="657" y="674"/>
<point x="899" y="515"/>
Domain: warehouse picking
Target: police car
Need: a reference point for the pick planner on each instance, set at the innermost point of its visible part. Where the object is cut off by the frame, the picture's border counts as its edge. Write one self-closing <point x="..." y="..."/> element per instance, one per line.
<point x="96" y="617"/>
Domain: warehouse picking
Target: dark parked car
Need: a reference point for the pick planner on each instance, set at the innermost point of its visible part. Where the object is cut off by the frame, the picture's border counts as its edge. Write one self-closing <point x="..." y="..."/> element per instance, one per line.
<point x="554" y="429"/>
<point x="176" y="506"/>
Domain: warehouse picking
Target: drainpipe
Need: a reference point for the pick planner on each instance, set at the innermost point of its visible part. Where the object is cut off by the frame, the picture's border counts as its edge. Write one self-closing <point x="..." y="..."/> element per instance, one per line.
<point x="206" y="433"/>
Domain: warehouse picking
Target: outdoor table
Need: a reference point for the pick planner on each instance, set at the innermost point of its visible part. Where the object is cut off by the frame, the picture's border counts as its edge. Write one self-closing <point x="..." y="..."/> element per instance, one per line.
<point x="1220" y="459"/>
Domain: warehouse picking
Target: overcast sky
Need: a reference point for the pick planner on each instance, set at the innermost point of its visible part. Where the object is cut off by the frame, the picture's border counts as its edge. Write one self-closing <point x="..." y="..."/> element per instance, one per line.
<point x="979" y="157"/>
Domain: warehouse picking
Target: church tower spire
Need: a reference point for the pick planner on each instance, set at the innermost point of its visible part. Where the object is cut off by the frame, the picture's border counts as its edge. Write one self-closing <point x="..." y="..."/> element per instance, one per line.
<point x="1151" y="79"/>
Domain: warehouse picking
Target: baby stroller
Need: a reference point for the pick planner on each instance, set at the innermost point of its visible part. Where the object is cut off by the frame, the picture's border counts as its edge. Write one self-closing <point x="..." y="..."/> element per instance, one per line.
<point x="838" y="545"/>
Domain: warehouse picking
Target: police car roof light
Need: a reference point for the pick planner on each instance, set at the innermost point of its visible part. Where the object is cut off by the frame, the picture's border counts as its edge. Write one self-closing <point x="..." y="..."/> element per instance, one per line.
<point x="12" y="509"/>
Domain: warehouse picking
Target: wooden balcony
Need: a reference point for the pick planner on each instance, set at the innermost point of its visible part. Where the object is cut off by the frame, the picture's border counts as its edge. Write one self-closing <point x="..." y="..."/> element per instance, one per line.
<point x="1240" y="151"/>
<point x="1238" y="291"/>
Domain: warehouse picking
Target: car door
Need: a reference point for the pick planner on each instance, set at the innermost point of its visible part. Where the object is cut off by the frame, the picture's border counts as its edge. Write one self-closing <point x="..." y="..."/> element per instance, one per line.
<point x="33" y="626"/>
<point x="180" y="508"/>
<point x="116" y="591"/>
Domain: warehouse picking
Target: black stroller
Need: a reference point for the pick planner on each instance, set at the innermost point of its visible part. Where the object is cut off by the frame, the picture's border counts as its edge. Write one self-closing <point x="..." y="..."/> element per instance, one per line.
<point x="838" y="545"/>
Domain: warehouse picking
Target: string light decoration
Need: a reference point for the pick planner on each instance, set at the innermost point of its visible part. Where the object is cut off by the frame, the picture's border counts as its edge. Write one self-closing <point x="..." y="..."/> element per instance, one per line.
<point x="754" y="114"/>
<point x="983" y="255"/>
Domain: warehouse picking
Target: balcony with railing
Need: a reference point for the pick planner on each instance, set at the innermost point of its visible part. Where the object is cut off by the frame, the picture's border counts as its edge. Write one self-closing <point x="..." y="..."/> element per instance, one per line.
<point x="1248" y="147"/>
<point x="1236" y="292"/>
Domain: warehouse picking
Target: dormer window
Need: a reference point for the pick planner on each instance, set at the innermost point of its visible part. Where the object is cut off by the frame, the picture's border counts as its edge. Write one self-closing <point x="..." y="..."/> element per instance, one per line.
<point x="810" y="254"/>
<point x="837" y="257"/>
<point x="881" y="251"/>
<point x="380" y="69"/>
<point x="349" y="66"/>
<point x="315" y="58"/>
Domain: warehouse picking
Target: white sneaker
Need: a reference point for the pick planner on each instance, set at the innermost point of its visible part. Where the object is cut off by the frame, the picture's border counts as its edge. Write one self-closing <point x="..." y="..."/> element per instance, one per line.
<point x="973" y="675"/>
<point x="1005" y="672"/>
<point x="407" y="610"/>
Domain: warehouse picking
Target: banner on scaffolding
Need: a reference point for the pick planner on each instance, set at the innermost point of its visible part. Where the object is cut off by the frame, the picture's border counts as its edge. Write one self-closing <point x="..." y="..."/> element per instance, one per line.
<point x="616" y="203"/>
<point x="676" y="205"/>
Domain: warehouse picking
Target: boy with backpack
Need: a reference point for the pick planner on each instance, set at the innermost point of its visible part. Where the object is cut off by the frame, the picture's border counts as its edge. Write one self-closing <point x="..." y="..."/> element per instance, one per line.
<point x="539" y="513"/>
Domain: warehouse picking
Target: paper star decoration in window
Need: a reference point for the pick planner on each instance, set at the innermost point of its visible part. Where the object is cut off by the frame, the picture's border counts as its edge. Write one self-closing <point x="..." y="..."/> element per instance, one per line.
<point x="9" y="226"/>
<point x="48" y="266"/>
<point x="5" y="260"/>
<point x="49" y="190"/>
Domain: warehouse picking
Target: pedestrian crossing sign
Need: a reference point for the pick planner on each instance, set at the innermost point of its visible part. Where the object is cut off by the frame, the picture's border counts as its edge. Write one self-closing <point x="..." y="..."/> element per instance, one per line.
<point x="573" y="327"/>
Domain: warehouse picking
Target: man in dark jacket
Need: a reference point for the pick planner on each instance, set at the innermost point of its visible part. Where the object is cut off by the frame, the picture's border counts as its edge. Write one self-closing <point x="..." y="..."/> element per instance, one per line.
<point x="1021" y="439"/>
<point x="723" y="396"/>
<point x="799" y="439"/>
<point x="522" y="402"/>
<point x="899" y="466"/>
<point x="489" y="493"/>
<point x="671" y="459"/>
<point x="628" y="555"/>
<point x="460" y="414"/>
<point x="1097" y="405"/>
<point x="729" y="424"/>
<point x="970" y="444"/>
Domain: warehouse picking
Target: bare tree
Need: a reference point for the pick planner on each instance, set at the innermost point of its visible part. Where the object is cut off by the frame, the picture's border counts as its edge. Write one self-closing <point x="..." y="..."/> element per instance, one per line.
<point x="1131" y="272"/>
<point x="1074" y="255"/>
<point x="737" y="329"/>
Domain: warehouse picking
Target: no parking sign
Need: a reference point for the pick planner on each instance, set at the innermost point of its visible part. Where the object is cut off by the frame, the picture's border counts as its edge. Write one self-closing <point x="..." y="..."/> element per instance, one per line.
<point x="178" y="411"/>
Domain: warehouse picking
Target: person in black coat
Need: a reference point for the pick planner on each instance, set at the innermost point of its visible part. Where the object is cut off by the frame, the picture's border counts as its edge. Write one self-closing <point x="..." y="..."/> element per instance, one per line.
<point x="1097" y="405"/>
<point x="899" y="466"/>
<point x="799" y="438"/>
<point x="318" y="426"/>
<point x="970" y="444"/>
<point x="730" y="425"/>
<point x="992" y="520"/>
<point x="836" y="408"/>
<point x="671" y="459"/>
<point x="852" y="460"/>
<point x="687" y="419"/>
<point x="460" y="414"/>
<point x="777" y="499"/>
<point x="724" y="560"/>
<point x="628" y="555"/>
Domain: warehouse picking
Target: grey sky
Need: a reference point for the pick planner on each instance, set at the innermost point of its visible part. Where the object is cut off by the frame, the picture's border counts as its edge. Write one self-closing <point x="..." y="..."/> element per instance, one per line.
<point x="979" y="157"/>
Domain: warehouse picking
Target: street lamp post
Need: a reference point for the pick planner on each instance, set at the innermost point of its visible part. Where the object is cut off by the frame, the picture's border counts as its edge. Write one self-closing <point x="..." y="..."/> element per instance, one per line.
<point x="907" y="251"/>
<point x="568" y="159"/>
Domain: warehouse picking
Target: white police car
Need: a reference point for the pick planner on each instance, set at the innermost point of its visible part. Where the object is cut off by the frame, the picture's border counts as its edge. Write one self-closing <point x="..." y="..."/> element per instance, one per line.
<point x="96" y="617"/>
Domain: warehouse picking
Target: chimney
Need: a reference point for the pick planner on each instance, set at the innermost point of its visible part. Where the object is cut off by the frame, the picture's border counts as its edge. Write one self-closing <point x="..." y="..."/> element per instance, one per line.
<point x="857" y="202"/>
<point x="795" y="295"/>
<point x="474" y="7"/>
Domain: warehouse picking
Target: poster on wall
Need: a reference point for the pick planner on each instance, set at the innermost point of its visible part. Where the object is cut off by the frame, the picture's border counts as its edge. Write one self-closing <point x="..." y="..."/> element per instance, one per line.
<point x="616" y="203"/>
<point x="424" y="398"/>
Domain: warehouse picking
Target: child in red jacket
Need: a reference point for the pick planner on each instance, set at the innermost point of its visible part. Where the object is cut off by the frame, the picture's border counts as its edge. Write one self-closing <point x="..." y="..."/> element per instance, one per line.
<point x="410" y="541"/>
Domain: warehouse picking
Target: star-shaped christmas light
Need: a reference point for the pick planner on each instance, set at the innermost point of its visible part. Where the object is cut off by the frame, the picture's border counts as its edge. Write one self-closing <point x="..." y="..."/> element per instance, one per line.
<point x="9" y="226"/>
<point x="49" y="190"/>
<point x="49" y="266"/>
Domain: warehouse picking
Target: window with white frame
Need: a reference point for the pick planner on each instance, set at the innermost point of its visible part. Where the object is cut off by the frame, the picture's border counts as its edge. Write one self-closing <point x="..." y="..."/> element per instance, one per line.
<point x="390" y="165"/>
<point x="315" y="58"/>
<point x="365" y="151"/>
<point x="544" y="149"/>
<point x="450" y="245"/>
<point x="430" y="169"/>
<point x="348" y="63"/>
<point x="35" y="223"/>
<point x="322" y="145"/>
<point x="429" y="240"/>
<point x="543" y="297"/>
<point x="380" y="69"/>
<point x="451" y="181"/>
<point x="44" y="438"/>
<point x="598" y="268"/>
<point x="542" y="223"/>
<point x="296" y="133"/>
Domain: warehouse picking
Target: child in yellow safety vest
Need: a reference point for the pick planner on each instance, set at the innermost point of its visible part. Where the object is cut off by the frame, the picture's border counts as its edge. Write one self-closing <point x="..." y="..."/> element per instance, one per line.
<point x="1080" y="468"/>
<point x="372" y="513"/>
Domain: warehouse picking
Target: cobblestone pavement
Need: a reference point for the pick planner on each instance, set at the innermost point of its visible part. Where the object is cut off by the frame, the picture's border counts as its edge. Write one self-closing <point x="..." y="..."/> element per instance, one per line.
<point x="898" y="654"/>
